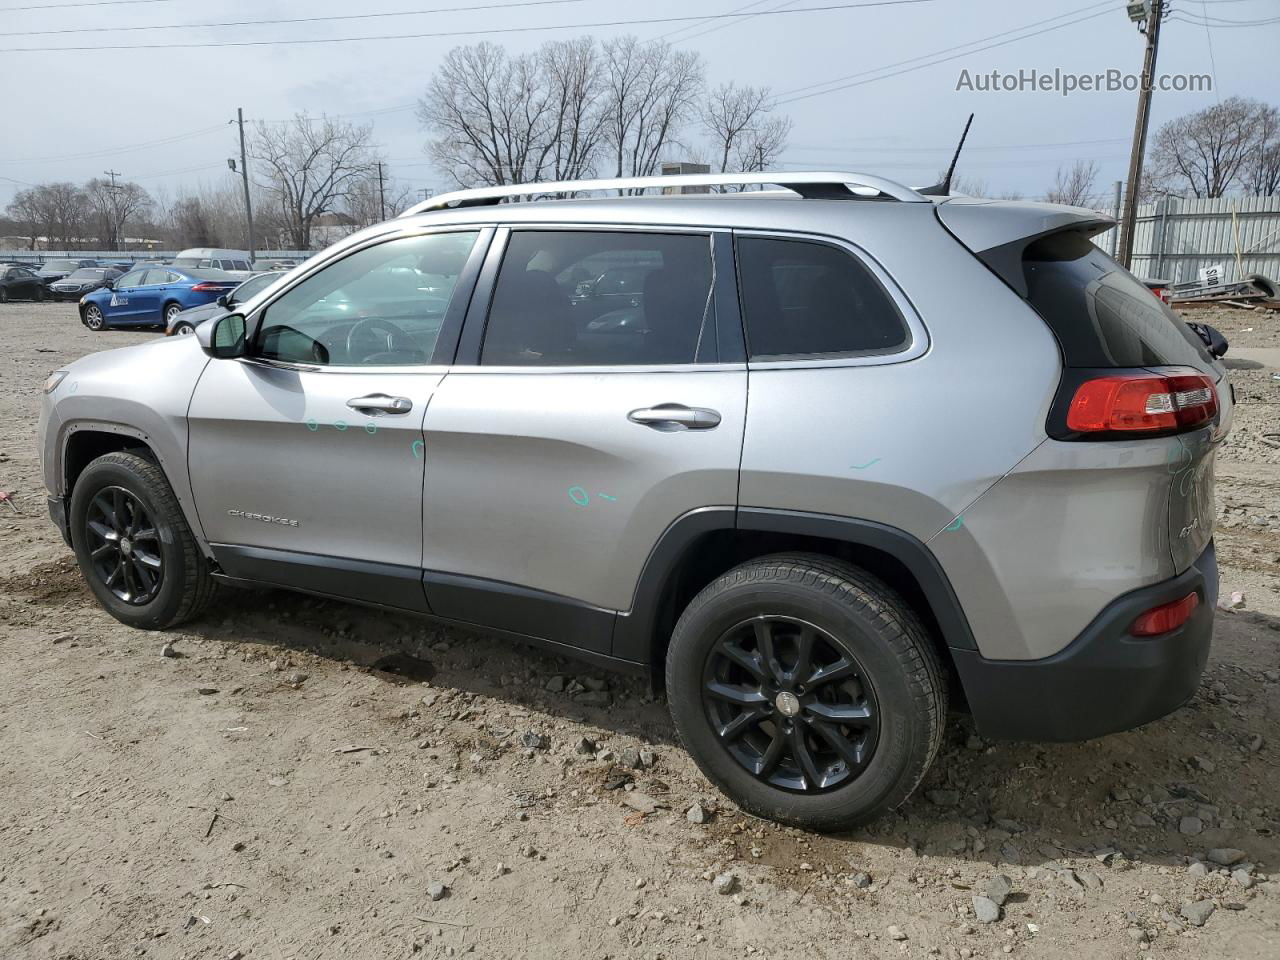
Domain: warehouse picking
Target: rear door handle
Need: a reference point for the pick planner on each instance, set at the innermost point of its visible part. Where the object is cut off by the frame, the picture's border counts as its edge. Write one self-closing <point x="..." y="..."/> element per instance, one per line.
<point x="675" y="416"/>
<point x="381" y="403"/>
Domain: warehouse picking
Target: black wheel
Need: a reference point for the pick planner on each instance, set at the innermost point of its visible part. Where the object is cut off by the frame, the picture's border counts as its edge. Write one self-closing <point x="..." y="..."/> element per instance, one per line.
<point x="183" y="329"/>
<point x="4" y="295"/>
<point x="807" y="690"/>
<point x="39" y="295"/>
<point x="133" y="544"/>
<point x="93" y="318"/>
<point x="171" y="311"/>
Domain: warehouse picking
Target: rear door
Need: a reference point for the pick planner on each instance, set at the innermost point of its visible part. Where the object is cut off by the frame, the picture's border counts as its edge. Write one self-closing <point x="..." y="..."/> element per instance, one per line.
<point x="558" y="452"/>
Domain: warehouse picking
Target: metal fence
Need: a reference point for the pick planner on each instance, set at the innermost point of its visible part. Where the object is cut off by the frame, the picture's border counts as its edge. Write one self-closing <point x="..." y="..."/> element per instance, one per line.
<point x="131" y="256"/>
<point x="1175" y="238"/>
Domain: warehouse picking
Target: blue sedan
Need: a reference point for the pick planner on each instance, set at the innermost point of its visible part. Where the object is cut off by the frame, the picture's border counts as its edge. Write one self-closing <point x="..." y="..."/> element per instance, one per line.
<point x="152" y="296"/>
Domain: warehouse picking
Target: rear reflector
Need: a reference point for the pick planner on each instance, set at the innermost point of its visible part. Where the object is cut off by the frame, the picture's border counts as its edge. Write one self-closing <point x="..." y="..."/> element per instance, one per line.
<point x="1169" y="616"/>
<point x="1143" y="403"/>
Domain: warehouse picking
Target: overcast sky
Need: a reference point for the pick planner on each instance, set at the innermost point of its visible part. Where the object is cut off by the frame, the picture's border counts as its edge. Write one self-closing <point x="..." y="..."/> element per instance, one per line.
<point x="73" y="114"/>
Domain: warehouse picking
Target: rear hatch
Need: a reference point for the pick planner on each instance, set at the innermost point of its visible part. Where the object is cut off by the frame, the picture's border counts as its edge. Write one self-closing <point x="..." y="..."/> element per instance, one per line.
<point x="1110" y="328"/>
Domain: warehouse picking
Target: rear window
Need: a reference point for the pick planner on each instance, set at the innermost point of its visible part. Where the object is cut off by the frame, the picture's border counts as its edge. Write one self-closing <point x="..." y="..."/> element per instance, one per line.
<point x="1102" y="315"/>
<point x="806" y="299"/>
<point x="206" y="274"/>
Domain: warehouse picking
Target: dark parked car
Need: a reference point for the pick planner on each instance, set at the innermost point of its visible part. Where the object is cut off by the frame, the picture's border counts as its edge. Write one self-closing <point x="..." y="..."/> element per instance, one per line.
<point x="83" y="281"/>
<point x="53" y="270"/>
<point x="187" y="321"/>
<point x="19" y="283"/>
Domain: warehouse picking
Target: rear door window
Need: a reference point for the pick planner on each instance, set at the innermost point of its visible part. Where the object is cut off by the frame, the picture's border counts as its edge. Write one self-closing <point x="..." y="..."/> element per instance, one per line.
<point x="803" y="298"/>
<point x="1102" y="315"/>
<point x="156" y="277"/>
<point x="601" y="298"/>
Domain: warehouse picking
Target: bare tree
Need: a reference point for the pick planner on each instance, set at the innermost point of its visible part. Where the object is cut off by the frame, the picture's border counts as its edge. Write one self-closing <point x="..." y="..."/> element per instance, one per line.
<point x="115" y="205"/>
<point x="1074" y="185"/>
<point x="1205" y="153"/>
<point x="504" y="119"/>
<point x="1261" y="175"/>
<point x="370" y="203"/>
<point x="742" y="134"/>
<point x="26" y="210"/>
<point x="652" y="90"/>
<point x="488" y="110"/>
<point x="308" y="167"/>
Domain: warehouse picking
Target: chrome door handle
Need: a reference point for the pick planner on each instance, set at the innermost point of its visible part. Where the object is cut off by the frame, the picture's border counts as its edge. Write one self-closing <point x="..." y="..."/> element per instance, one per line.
<point x="381" y="403"/>
<point x="675" y="416"/>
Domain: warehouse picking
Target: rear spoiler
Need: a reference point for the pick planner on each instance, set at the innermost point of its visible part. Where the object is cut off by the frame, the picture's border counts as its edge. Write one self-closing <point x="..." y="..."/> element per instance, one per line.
<point x="999" y="231"/>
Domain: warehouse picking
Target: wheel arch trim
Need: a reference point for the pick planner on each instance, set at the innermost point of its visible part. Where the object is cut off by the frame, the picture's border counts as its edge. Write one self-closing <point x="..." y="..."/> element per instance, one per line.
<point x="634" y="631"/>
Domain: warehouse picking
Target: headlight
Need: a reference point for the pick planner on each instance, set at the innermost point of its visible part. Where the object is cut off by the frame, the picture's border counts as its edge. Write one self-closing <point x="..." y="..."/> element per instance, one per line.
<point x="55" y="378"/>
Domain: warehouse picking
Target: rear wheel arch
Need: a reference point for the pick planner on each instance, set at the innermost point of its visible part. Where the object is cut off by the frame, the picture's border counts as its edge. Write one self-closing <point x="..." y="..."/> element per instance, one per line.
<point x="704" y="544"/>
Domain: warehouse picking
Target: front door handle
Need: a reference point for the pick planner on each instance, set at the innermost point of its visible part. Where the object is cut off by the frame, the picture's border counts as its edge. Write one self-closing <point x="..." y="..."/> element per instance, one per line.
<point x="380" y="403"/>
<point x="675" y="416"/>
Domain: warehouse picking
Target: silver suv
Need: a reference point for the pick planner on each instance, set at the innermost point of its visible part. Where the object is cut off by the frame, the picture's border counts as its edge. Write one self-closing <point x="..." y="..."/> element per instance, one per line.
<point x="824" y="459"/>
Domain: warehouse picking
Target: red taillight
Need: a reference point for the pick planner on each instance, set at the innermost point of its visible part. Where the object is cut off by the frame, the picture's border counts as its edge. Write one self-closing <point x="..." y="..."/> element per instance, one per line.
<point x="1169" y="616"/>
<point x="1160" y="293"/>
<point x="208" y="287"/>
<point x="1143" y="403"/>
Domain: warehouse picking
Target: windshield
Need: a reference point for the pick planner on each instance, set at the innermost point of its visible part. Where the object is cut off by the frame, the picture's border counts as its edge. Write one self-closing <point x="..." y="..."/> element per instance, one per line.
<point x="88" y="273"/>
<point x="67" y="265"/>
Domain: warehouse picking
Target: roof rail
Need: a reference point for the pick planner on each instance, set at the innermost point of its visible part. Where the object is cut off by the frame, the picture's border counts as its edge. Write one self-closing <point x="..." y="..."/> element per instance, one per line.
<point x="815" y="186"/>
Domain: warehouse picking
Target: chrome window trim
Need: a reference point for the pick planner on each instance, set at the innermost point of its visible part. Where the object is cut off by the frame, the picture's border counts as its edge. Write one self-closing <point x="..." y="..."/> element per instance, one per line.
<point x="583" y="370"/>
<point x="253" y="312"/>
<point x="398" y="369"/>
<point x="916" y="347"/>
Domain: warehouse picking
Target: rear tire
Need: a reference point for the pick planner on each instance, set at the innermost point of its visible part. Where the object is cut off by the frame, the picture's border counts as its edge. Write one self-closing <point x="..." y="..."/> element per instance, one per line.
<point x="133" y="544"/>
<point x="170" y="311"/>
<point x="850" y="730"/>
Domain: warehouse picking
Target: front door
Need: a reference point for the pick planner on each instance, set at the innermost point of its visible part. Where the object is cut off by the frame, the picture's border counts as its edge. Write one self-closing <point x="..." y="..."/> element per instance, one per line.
<point x="306" y="456"/>
<point x="126" y="297"/>
<point x="555" y="463"/>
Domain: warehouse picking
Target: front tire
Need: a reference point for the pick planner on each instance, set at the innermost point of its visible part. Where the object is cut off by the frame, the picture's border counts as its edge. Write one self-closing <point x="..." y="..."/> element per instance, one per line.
<point x="39" y="298"/>
<point x="183" y="329"/>
<point x="133" y="544"/>
<point x="807" y="690"/>
<point x="93" y="318"/>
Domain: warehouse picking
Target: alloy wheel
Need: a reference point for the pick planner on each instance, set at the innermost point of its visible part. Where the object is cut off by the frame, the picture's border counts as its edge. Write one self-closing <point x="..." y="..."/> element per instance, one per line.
<point x="93" y="318"/>
<point x="791" y="704"/>
<point x="124" y="546"/>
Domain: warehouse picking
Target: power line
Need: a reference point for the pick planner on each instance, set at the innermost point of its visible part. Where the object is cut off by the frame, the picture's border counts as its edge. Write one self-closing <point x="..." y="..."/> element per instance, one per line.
<point x="146" y="144"/>
<point x="935" y="53"/>
<point x="934" y="63"/>
<point x="1218" y="22"/>
<point x="88" y="3"/>
<point x="968" y="149"/>
<point x="466" y="33"/>
<point x="258" y="23"/>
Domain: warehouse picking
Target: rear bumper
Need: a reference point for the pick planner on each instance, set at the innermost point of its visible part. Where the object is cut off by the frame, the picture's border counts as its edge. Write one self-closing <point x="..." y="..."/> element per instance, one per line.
<point x="1106" y="680"/>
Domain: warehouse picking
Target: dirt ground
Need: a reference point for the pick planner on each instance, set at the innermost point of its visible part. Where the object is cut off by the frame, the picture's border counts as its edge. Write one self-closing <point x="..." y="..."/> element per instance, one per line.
<point x="280" y="789"/>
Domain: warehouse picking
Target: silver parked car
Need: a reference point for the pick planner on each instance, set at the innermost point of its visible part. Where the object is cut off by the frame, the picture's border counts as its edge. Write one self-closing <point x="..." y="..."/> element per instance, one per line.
<point x="857" y="454"/>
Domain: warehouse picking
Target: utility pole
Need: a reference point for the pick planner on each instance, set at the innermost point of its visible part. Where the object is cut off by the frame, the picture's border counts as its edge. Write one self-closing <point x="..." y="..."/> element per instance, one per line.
<point x="1152" y="29"/>
<point x="244" y="176"/>
<point x="115" y="231"/>
<point x="382" y="197"/>
<point x="427" y="193"/>
<point x="1115" y="212"/>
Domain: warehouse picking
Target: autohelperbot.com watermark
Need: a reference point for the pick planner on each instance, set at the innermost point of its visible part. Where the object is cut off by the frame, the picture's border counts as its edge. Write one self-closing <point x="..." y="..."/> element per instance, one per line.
<point x="1066" y="83"/>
